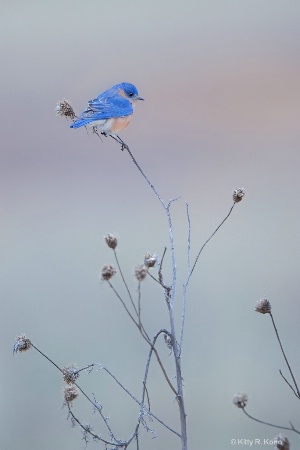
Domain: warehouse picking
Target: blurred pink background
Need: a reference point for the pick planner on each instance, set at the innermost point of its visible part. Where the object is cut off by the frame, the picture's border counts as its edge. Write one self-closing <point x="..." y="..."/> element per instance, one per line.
<point x="222" y="110"/>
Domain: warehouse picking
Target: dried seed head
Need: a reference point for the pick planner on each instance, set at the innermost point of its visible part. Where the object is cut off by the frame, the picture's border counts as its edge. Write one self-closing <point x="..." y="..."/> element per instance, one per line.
<point x="150" y="259"/>
<point x="141" y="272"/>
<point x="111" y="240"/>
<point x="70" y="393"/>
<point x="238" y="195"/>
<point x="168" y="341"/>
<point x="263" y="306"/>
<point x="22" y="343"/>
<point x="282" y="442"/>
<point x="240" y="400"/>
<point x="107" y="272"/>
<point x="63" y="108"/>
<point x="70" y="374"/>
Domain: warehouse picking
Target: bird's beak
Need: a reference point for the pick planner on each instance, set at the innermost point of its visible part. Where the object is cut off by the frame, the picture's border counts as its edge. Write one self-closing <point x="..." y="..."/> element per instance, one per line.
<point x="140" y="98"/>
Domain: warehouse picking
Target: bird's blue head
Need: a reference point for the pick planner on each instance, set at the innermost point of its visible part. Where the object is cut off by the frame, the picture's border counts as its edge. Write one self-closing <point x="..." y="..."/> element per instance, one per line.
<point x="130" y="91"/>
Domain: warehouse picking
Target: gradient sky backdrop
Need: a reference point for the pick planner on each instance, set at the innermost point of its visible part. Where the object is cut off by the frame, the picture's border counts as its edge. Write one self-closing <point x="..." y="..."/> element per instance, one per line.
<point x="222" y="110"/>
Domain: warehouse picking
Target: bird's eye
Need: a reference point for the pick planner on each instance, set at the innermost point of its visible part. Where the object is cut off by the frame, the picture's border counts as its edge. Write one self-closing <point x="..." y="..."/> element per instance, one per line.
<point x="130" y="94"/>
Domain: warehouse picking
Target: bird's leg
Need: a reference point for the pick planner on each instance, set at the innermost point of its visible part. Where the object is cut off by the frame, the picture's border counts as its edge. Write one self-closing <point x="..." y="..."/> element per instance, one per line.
<point x="116" y="137"/>
<point x="95" y="130"/>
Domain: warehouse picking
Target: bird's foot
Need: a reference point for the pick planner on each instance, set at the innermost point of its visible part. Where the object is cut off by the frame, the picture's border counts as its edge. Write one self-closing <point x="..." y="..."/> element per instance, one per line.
<point x="123" y="144"/>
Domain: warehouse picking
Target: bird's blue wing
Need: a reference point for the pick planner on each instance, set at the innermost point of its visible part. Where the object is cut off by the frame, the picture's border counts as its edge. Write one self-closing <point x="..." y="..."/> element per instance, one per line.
<point x="107" y="106"/>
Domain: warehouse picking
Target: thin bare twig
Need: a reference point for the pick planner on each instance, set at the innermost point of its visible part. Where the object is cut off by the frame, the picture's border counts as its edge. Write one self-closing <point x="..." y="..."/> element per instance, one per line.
<point x="271" y="424"/>
<point x="99" y="410"/>
<point x="145" y="336"/>
<point x="96" y="405"/>
<point x="45" y="356"/>
<point x="136" y="400"/>
<point x="81" y="390"/>
<point x="127" y="392"/>
<point x="160" y="277"/>
<point x="184" y="300"/>
<point x="170" y="298"/>
<point x="189" y="238"/>
<point x="123" y="303"/>
<point x="284" y="355"/>
<point x="148" y="365"/>
<point x="139" y="304"/>
<point x="207" y="241"/>
<point x="124" y="281"/>
<point x="288" y="384"/>
<point x="145" y="177"/>
<point x="138" y="324"/>
<point x="190" y="272"/>
<point x="148" y="398"/>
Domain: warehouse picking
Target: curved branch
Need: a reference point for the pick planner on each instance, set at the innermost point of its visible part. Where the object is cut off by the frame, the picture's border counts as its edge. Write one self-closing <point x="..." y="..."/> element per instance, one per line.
<point x="146" y="337"/>
<point x="271" y="424"/>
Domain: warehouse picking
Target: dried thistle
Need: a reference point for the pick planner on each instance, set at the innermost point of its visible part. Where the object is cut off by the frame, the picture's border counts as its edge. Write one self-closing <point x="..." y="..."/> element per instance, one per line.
<point x="107" y="272"/>
<point x="140" y="272"/>
<point x="263" y="306"/>
<point x="70" y="374"/>
<point x="22" y="343"/>
<point x="111" y="240"/>
<point x="282" y="442"/>
<point x="70" y="393"/>
<point x="240" y="400"/>
<point x="238" y="195"/>
<point x="150" y="259"/>
<point x="63" y="108"/>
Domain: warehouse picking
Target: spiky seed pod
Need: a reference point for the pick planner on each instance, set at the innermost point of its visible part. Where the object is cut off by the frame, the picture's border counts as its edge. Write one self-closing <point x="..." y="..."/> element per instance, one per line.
<point x="238" y="195"/>
<point x="263" y="306"/>
<point x="150" y="259"/>
<point x="240" y="400"/>
<point x="22" y="343"/>
<point x="111" y="240"/>
<point x="63" y="108"/>
<point x="140" y="272"/>
<point x="70" y="374"/>
<point x="70" y="393"/>
<point x="107" y="272"/>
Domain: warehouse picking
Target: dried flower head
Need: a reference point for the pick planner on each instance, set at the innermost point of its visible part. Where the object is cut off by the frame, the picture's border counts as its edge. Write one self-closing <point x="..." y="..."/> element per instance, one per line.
<point x="22" y="343"/>
<point x="282" y="442"/>
<point x="63" y="108"/>
<point x="70" y="393"/>
<point x="141" y="272"/>
<point x="111" y="240"/>
<point x="240" y="400"/>
<point x="238" y="195"/>
<point x="150" y="259"/>
<point x="107" y="272"/>
<point x="70" y="374"/>
<point x="263" y="306"/>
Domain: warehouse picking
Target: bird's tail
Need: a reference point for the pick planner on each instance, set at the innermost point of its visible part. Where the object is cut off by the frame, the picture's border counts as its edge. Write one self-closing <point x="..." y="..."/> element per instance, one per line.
<point x="79" y="123"/>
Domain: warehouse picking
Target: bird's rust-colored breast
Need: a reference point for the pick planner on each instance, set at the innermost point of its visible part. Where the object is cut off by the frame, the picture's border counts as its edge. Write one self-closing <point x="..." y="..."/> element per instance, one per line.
<point x="119" y="123"/>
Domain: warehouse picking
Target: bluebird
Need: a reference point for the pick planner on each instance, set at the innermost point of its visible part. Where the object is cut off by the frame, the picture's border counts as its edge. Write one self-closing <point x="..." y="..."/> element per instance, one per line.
<point x="111" y="111"/>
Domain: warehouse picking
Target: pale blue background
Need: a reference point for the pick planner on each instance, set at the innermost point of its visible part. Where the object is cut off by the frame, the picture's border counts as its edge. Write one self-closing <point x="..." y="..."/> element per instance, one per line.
<point x="221" y="83"/>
